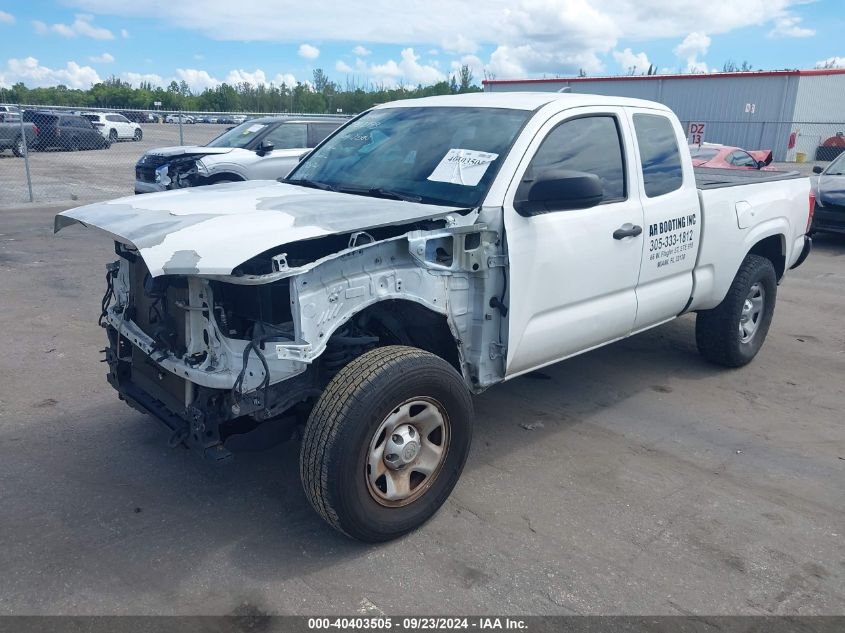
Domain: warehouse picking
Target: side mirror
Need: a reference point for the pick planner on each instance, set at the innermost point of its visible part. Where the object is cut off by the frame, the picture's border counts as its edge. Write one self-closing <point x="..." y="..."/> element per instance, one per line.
<point x="761" y="164"/>
<point x="303" y="155"/>
<point x="265" y="147"/>
<point x="817" y="169"/>
<point x="558" y="190"/>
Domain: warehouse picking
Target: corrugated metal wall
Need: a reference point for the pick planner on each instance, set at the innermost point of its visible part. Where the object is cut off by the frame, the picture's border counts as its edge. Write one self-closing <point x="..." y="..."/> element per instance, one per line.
<point x="750" y="111"/>
<point x="819" y="112"/>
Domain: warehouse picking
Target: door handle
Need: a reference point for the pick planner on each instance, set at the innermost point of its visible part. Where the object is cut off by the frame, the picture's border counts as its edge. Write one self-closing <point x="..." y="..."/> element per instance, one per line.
<point x="627" y="230"/>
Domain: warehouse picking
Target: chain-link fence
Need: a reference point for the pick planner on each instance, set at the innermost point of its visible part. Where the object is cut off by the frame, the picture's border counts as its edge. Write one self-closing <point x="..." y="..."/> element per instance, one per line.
<point x="61" y="155"/>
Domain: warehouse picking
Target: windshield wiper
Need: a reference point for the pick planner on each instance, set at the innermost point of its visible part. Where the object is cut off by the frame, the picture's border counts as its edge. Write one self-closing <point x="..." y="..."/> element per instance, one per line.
<point x="380" y="192"/>
<point x="302" y="182"/>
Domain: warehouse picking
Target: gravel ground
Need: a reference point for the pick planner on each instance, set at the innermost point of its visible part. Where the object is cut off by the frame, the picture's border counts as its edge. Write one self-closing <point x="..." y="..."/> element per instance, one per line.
<point x="90" y="175"/>
<point x="649" y="482"/>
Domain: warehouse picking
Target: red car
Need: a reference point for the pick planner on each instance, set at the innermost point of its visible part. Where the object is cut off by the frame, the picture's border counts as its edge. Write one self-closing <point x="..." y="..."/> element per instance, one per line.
<point x="727" y="157"/>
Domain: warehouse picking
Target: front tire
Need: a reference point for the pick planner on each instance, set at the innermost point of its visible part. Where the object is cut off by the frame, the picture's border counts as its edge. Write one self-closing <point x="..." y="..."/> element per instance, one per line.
<point x="386" y="443"/>
<point x="138" y="135"/>
<point x="733" y="332"/>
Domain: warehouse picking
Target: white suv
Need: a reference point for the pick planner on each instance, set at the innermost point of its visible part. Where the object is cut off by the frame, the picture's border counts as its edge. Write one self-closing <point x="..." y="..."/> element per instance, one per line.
<point x="114" y="126"/>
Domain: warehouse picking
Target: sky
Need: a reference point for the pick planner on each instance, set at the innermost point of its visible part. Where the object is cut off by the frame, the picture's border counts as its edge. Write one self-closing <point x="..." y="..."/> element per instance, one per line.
<point x="396" y="42"/>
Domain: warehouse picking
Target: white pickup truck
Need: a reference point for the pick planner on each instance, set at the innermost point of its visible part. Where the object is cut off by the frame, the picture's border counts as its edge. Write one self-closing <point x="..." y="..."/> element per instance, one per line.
<point x="424" y="252"/>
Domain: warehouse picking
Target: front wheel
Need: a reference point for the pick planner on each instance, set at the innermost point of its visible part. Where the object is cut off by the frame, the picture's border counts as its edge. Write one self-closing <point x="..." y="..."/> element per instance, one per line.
<point x="386" y="443"/>
<point x="733" y="332"/>
<point x="138" y="135"/>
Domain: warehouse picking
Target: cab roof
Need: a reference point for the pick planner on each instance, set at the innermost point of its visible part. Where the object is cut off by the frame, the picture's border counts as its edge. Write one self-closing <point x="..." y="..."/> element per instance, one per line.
<point x="522" y="101"/>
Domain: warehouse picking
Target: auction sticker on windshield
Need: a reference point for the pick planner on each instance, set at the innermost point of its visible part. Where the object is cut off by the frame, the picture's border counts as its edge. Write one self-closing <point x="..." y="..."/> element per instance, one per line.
<point x="462" y="167"/>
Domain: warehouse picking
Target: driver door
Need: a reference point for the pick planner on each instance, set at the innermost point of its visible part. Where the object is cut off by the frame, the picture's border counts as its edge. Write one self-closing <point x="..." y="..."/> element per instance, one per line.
<point x="572" y="282"/>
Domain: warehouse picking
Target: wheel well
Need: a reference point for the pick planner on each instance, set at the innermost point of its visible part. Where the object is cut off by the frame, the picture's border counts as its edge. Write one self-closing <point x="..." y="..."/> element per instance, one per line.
<point x="224" y="176"/>
<point x="772" y="249"/>
<point x="401" y="322"/>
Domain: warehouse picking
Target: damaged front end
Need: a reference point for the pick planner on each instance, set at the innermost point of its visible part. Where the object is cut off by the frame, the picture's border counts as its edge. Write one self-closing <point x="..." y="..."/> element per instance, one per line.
<point x="216" y="350"/>
<point x="160" y="172"/>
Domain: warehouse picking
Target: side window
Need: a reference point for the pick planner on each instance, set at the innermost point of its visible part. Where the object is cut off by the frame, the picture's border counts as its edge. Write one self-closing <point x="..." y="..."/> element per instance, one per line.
<point x="67" y="123"/>
<point x="742" y="159"/>
<point x="659" y="154"/>
<point x="317" y="132"/>
<point x="589" y="144"/>
<point x="288" y="135"/>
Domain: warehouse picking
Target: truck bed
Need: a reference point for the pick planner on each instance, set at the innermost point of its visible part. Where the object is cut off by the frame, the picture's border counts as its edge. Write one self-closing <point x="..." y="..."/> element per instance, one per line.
<point x="711" y="178"/>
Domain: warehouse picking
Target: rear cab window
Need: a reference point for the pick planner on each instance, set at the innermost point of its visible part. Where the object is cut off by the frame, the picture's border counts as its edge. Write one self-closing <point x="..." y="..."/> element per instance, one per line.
<point x="660" y="157"/>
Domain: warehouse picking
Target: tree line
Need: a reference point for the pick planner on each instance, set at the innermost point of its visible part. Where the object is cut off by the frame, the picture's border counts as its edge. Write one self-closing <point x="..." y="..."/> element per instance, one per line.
<point x="321" y="95"/>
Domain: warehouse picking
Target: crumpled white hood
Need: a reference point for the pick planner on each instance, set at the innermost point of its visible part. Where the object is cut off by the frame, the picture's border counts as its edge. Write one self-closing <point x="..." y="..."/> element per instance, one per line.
<point x="211" y="230"/>
<point x="187" y="150"/>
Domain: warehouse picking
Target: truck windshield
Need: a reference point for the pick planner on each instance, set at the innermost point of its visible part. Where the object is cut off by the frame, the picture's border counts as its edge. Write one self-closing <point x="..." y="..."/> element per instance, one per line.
<point x="239" y="136"/>
<point x="433" y="155"/>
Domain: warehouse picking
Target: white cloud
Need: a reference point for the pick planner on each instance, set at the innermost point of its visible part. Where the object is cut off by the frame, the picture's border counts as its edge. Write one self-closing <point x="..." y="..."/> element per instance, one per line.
<point x="199" y="57"/>
<point x="695" y="45"/>
<point x="33" y="74"/>
<point x="342" y="67"/>
<point x="790" y="26"/>
<point x="6" y="18"/>
<point x="197" y="80"/>
<point x="528" y="37"/>
<point x="360" y="51"/>
<point x="82" y="27"/>
<point x="831" y="62"/>
<point x="105" y="58"/>
<point x="124" y="34"/>
<point x="284" y="78"/>
<point x="460" y="44"/>
<point x="308" y="52"/>
<point x="407" y="70"/>
<point x="150" y="78"/>
<point x="629" y="60"/>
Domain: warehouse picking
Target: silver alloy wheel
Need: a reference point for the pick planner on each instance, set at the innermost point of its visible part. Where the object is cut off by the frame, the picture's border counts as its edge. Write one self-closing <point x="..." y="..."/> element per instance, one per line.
<point x="752" y="312"/>
<point x="407" y="452"/>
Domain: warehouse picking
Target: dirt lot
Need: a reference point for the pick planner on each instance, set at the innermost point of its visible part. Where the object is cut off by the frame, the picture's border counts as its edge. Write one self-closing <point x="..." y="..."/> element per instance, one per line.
<point x="651" y="483"/>
<point x="63" y="177"/>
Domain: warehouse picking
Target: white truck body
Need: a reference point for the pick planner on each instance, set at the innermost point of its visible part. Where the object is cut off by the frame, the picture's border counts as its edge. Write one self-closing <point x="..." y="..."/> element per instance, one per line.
<point x="512" y="290"/>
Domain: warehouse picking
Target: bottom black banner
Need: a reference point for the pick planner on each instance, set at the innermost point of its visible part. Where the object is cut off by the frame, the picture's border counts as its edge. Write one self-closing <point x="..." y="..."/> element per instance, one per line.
<point x="400" y="624"/>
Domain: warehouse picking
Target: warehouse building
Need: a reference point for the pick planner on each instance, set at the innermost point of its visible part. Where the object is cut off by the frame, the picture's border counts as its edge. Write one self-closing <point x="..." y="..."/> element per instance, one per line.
<point x="798" y="114"/>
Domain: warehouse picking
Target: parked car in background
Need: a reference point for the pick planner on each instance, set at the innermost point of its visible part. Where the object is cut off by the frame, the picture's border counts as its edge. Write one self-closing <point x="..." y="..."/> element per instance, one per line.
<point x="829" y="189"/>
<point x="261" y="149"/>
<point x="9" y="113"/>
<point x="114" y="126"/>
<point x="64" y="131"/>
<point x="187" y="119"/>
<point x="139" y="117"/>
<point x="12" y="138"/>
<point x="207" y="118"/>
<point x="729" y="157"/>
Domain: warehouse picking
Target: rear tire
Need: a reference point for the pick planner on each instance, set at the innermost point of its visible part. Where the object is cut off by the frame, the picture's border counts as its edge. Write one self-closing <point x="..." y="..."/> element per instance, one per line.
<point x="18" y="148"/>
<point x="112" y="136"/>
<point x="733" y="332"/>
<point x="352" y="471"/>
